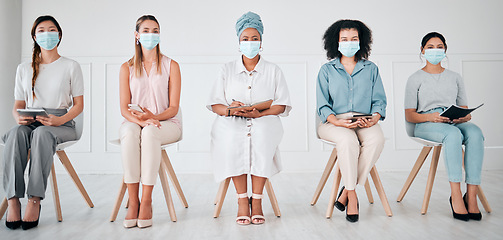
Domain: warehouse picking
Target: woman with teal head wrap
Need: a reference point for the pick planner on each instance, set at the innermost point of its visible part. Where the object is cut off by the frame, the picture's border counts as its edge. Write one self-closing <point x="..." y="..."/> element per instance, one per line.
<point x="249" y="20"/>
<point x="245" y="141"/>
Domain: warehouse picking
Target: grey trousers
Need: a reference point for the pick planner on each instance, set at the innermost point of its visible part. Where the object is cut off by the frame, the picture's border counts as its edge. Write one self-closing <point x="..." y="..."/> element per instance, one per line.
<point x="42" y="140"/>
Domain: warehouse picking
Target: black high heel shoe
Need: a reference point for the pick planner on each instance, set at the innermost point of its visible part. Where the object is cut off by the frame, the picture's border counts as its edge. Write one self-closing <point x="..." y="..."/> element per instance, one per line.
<point x="15" y="224"/>
<point x="462" y="217"/>
<point x="473" y="216"/>
<point x="338" y="204"/>
<point x="29" y="225"/>
<point x="353" y="217"/>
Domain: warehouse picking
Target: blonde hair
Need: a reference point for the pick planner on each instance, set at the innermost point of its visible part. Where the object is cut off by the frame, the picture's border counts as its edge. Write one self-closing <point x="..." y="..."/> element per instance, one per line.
<point x="136" y="60"/>
<point x="36" y="58"/>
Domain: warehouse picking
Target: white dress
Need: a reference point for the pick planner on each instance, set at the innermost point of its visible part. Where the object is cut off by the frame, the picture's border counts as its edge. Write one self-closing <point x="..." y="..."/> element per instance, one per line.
<point x="248" y="145"/>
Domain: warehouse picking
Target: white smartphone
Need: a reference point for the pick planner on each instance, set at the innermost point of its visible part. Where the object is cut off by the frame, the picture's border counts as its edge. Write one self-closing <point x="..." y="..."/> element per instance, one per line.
<point x="135" y="107"/>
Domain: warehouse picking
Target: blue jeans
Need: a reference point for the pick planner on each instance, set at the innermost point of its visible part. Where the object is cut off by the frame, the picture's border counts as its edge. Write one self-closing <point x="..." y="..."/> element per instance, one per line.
<point x="452" y="137"/>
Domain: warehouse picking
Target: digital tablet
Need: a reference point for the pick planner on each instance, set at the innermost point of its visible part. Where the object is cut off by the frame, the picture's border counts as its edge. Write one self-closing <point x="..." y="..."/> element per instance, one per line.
<point x="32" y="112"/>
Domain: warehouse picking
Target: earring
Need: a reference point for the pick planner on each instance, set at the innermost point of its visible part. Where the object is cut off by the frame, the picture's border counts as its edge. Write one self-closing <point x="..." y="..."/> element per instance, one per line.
<point x="137" y="42"/>
<point x="261" y="49"/>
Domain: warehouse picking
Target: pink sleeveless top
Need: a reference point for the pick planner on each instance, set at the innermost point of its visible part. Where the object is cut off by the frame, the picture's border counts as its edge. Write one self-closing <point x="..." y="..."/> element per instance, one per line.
<point x="151" y="91"/>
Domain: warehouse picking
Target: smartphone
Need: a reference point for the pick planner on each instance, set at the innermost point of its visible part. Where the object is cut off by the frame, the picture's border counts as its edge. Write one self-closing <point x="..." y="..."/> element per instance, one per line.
<point x="357" y="116"/>
<point x="135" y="107"/>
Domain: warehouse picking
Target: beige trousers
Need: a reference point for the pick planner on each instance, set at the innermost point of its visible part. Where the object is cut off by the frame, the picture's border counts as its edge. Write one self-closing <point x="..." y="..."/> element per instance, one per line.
<point x="141" y="149"/>
<point x="357" y="150"/>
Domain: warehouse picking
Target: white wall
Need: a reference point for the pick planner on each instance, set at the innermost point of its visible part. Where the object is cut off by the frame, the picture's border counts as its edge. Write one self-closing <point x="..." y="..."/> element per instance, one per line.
<point x="10" y="55"/>
<point x="200" y="35"/>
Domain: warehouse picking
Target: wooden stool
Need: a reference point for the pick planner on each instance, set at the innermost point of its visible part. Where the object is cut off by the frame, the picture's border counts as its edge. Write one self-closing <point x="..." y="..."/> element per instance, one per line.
<point x="222" y="191"/>
<point x="337" y="180"/>
<point x="60" y="151"/>
<point x="165" y="167"/>
<point x="437" y="147"/>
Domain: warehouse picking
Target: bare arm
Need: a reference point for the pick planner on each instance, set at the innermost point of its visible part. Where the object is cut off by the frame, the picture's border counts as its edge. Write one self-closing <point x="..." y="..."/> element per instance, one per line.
<point x="125" y="95"/>
<point x="273" y="110"/>
<point x="411" y="115"/>
<point x="175" y="86"/>
<point x="19" y="104"/>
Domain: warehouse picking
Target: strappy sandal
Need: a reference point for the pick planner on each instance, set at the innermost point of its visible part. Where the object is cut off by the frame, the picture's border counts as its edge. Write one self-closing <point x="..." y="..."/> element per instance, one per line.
<point x="257" y="217"/>
<point x="246" y="218"/>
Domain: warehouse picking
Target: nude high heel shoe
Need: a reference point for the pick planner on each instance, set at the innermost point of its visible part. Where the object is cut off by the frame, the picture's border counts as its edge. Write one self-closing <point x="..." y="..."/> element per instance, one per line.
<point x="145" y="223"/>
<point x="129" y="223"/>
<point x="246" y="218"/>
<point x="257" y="217"/>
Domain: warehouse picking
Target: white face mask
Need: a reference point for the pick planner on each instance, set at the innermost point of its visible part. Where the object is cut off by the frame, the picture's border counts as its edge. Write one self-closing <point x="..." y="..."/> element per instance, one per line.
<point x="349" y="48"/>
<point x="434" y="55"/>
<point x="149" y="40"/>
<point x="47" y="40"/>
<point x="250" y="48"/>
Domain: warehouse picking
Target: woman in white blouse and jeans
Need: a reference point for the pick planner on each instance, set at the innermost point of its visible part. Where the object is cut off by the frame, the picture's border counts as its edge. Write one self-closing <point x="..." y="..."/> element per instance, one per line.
<point x="54" y="83"/>
<point x="247" y="142"/>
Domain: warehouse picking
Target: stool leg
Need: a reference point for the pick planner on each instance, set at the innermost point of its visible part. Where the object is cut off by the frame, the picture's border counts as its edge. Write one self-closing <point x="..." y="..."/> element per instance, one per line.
<point x="167" y="192"/>
<point x="272" y="198"/>
<point x="431" y="179"/>
<point x="55" y="194"/>
<point x="220" y="189"/>
<point x="369" y="192"/>
<point x="413" y="173"/>
<point x="69" y="168"/>
<point x="480" y="193"/>
<point x="324" y="176"/>
<point x="3" y="207"/>
<point x="118" y="201"/>
<point x="174" y="179"/>
<point x="483" y="200"/>
<point x="380" y="191"/>
<point x="333" y="193"/>
<point x="224" y="185"/>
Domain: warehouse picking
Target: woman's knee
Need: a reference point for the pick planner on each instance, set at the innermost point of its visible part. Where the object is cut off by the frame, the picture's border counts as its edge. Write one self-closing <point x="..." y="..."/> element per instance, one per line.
<point x="42" y="133"/>
<point x="128" y="130"/>
<point x="18" y="132"/>
<point x="473" y="132"/>
<point x="149" y="132"/>
<point x="453" y="134"/>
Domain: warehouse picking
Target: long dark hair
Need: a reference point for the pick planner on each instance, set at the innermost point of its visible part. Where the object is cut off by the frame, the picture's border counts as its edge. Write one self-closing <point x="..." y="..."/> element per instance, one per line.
<point x="36" y="58"/>
<point x="331" y="38"/>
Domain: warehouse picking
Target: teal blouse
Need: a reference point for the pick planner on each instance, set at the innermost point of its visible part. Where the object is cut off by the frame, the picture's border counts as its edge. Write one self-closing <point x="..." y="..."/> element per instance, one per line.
<point x="338" y="92"/>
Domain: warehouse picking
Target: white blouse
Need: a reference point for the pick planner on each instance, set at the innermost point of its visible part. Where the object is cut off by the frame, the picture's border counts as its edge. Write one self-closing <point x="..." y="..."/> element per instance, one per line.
<point x="56" y="85"/>
<point x="248" y="145"/>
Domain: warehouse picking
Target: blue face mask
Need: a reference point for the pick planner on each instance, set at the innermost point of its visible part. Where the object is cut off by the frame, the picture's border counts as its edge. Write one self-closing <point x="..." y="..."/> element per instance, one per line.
<point x="249" y="48"/>
<point x="435" y="55"/>
<point x="149" y="40"/>
<point x="47" y="40"/>
<point x="349" y="49"/>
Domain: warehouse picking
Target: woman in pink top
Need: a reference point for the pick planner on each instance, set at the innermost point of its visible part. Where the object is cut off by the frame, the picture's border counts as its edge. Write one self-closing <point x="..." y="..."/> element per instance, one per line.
<point x="151" y="81"/>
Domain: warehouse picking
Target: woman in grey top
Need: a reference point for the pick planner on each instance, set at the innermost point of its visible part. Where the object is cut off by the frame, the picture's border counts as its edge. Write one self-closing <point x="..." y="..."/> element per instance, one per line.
<point x="429" y="91"/>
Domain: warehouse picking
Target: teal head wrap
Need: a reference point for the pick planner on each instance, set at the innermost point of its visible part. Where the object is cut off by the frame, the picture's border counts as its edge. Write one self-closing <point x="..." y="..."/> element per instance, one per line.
<point x="249" y="20"/>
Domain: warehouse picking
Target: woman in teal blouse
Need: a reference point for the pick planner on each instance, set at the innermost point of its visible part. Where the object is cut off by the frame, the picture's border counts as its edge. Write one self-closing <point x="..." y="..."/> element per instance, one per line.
<point x="351" y="85"/>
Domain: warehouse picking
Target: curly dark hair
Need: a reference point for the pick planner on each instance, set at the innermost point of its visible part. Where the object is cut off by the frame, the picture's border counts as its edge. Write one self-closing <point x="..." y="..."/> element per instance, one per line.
<point x="331" y="38"/>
